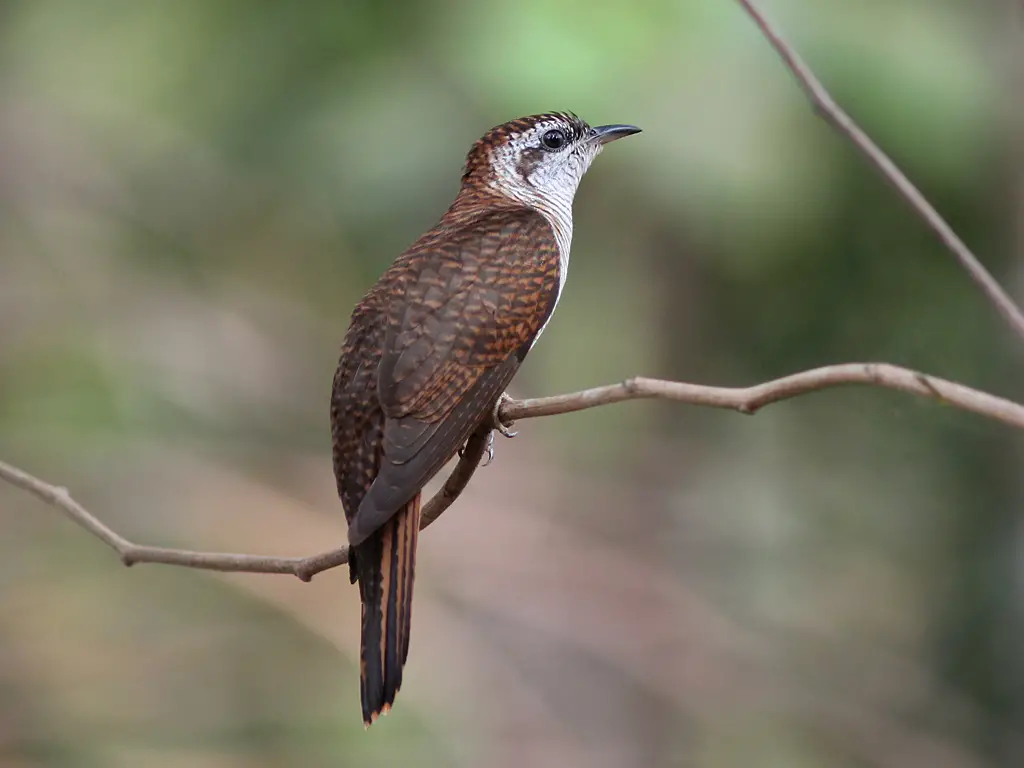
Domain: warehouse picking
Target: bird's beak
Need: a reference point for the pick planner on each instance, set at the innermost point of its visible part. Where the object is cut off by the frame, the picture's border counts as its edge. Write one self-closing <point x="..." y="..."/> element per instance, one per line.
<point x="603" y="134"/>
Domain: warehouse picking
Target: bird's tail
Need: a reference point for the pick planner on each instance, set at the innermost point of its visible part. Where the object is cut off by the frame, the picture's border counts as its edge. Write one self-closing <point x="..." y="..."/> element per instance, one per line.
<point x="385" y="564"/>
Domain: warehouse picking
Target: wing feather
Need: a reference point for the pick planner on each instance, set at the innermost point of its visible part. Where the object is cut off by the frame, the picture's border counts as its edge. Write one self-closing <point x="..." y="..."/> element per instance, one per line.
<point x="452" y="344"/>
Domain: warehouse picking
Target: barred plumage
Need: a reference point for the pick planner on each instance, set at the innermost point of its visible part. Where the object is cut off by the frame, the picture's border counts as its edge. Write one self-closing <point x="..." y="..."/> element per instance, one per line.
<point x="431" y="348"/>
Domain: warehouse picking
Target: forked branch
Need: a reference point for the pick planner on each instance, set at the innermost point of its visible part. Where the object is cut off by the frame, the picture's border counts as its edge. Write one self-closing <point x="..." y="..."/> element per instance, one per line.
<point x="742" y="399"/>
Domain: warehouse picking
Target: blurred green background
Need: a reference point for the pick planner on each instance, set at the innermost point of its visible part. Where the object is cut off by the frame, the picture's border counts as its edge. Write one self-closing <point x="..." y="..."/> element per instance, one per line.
<point x="194" y="194"/>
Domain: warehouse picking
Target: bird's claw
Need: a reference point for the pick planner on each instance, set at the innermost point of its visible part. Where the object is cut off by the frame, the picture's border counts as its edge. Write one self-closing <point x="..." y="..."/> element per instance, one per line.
<point x="499" y="425"/>
<point x="490" y="449"/>
<point x="505" y="431"/>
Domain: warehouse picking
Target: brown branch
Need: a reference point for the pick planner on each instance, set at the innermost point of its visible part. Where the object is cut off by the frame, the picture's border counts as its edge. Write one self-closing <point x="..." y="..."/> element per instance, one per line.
<point x="742" y="399"/>
<point x="303" y="567"/>
<point x="751" y="399"/>
<point x="827" y="107"/>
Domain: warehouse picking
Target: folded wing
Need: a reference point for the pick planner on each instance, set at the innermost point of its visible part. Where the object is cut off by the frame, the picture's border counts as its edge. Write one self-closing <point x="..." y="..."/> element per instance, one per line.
<point x="464" y="320"/>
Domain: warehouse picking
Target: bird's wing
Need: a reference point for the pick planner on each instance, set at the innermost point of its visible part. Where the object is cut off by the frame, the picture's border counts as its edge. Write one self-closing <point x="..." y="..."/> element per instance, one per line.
<point x="468" y="314"/>
<point x="357" y="423"/>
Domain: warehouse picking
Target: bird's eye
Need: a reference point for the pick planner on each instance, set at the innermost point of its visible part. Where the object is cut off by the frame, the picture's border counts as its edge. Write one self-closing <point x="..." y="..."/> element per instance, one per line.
<point x="553" y="139"/>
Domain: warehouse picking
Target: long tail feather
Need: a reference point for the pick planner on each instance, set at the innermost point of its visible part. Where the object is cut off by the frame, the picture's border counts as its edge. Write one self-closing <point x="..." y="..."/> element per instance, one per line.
<point x="385" y="564"/>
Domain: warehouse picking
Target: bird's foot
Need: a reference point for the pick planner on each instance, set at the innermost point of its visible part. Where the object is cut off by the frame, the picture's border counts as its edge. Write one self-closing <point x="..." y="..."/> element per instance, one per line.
<point x="490" y="449"/>
<point x="496" y="420"/>
<point x="497" y="425"/>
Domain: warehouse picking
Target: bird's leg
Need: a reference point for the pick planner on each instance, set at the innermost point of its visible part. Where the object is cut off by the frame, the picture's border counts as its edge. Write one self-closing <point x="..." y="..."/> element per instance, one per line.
<point x="499" y="425"/>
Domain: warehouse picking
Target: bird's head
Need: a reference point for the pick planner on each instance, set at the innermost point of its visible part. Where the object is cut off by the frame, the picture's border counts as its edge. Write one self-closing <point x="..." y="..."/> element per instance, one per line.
<point x="538" y="160"/>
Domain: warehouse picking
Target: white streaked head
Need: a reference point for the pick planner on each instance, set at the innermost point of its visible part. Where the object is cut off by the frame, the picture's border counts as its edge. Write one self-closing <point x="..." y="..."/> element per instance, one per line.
<point x="539" y="160"/>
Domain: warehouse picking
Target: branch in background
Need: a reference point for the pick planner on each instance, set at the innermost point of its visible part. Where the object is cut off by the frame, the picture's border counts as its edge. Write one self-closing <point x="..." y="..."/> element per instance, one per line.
<point x="826" y="106"/>
<point x="742" y="399"/>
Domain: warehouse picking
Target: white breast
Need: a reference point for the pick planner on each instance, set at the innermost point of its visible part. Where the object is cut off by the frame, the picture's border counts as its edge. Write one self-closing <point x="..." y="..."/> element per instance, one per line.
<point x="562" y="224"/>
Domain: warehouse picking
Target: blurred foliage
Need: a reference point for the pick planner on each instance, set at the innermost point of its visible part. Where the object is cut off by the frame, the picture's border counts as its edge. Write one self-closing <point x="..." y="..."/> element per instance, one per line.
<point x="194" y="194"/>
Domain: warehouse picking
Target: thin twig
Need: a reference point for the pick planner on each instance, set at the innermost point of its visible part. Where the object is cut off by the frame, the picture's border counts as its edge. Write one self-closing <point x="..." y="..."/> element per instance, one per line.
<point x="742" y="399"/>
<point x="827" y="107"/>
<point x="751" y="399"/>
<point x="304" y="568"/>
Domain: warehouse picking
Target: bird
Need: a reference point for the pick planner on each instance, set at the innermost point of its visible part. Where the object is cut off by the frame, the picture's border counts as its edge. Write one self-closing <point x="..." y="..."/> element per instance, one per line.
<point x="431" y="348"/>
